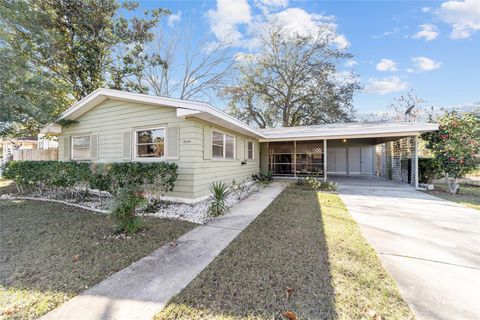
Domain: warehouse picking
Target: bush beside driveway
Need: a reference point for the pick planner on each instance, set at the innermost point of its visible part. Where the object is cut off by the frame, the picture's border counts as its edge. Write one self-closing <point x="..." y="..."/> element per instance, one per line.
<point x="306" y="244"/>
<point x="50" y="252"/>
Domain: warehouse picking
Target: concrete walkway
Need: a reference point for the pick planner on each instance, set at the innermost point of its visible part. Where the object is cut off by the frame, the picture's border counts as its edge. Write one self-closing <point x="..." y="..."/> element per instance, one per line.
<point x="142" y="289"/>
<point x="429" y="245"/>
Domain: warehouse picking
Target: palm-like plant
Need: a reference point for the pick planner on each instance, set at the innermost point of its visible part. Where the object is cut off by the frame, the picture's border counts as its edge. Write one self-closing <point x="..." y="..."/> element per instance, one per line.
<point x="220" y="192"/>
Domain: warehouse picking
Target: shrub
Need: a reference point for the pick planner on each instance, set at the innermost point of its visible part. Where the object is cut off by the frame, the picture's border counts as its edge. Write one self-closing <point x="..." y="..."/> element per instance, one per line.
<point x="220" y="192"/>
<point x="106" y="177"/>
<point x="455" y="145"/>
<point x="125" y="181"/>
<point x="263" y="178"/>
<point x="428" y="170"/>
<point x="46" y="174"/>
<point x="316" y="184"/>
<point x="117" y="175"/>
<point x="123" y="208"/>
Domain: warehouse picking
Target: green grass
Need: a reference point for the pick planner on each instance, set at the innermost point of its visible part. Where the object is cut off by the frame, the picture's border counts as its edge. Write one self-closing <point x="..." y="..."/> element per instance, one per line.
<point x="320" y="254"/>
<point x="468" y="194"/>
<point x="50" y="252"/>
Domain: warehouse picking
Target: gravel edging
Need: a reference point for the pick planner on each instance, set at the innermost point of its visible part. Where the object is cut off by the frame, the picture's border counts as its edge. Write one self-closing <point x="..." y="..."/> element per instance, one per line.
<point x="196" y="213"/>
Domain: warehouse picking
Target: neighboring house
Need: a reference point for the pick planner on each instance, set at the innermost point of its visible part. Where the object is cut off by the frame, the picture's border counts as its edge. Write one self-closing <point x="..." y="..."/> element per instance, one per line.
<point x="209" y="145"/>
<point x="9" y="145"/>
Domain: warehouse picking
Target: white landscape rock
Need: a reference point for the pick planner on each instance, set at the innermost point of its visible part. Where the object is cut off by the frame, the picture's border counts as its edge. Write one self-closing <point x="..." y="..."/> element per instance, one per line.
<point x="196" y="213"/>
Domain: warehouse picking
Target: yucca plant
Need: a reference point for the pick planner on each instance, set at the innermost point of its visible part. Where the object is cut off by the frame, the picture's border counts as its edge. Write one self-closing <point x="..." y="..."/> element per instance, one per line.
<point x="220" y="192"/>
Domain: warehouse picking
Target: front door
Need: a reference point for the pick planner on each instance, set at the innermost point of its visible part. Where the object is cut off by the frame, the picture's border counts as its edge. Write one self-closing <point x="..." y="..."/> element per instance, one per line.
<point x="367" y="160"/>
<point x="354" y="160"/>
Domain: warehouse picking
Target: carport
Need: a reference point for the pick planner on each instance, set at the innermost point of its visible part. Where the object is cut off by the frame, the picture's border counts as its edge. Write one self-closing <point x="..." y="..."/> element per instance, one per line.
<point x="383" y="149"/>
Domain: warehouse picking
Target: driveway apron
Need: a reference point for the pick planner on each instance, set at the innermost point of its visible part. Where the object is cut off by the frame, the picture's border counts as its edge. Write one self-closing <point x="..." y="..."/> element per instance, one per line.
<point x="429" y="245"/>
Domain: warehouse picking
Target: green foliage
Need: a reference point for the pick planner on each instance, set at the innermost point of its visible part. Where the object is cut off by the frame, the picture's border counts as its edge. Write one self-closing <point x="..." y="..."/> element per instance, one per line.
<point x="113" y="176"/>
<point x="123" y="208"/>
<point x="53" y="49"/>
<point x="220" y="192"/>
<point x="316" y="184"/>
<point x="66" y="122"/>
<point x="125" y="181"/>
<point x="106" y="177"/>
<point x="428" y="169"/>
<point x="263" y="178"/>
<point x="456" y="145"/>
<point x="46" y="174"/>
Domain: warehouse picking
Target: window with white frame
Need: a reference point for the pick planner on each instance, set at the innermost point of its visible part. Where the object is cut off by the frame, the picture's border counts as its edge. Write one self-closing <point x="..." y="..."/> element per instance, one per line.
<point x="150" y="143"/>
<point x="81" y="147"/>
<point x="250" y="150"/>
<point x="223" y="145"/>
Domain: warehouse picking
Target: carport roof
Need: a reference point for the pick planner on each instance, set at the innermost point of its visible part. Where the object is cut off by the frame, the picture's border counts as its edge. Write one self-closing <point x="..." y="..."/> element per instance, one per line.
<point x="348" y="130"/>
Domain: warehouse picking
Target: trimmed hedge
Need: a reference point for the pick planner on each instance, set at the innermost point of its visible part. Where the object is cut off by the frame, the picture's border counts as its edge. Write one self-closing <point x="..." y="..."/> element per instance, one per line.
<point x="112" y="177"/>
<point x="109" y="177"/>
<point x="46" y="174"/>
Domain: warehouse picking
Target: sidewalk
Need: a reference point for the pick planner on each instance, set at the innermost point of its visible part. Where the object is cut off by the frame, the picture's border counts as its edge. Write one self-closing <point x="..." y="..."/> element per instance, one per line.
<point x="144" y="288"/>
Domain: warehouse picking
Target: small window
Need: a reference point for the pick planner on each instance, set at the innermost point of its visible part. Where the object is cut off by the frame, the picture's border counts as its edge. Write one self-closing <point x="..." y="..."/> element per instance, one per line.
<point x="150" y="143"/>
<point x="81" y="147"/>
<point x="223" y="146"/>
<point x="250" y="150"/>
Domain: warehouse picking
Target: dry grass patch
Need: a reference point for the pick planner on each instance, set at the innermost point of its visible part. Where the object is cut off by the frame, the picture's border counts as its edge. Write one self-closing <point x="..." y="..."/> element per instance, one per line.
<point x="468" y="194"/>
<point x="321" y="255"/>
<point x="50" y="252"/>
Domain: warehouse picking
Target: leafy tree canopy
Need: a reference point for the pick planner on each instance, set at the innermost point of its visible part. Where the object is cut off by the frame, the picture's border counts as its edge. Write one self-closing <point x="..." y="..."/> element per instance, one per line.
<point x="292" y="81"/>
<point x="58" y="51"/>
<point x="456" y="145"/>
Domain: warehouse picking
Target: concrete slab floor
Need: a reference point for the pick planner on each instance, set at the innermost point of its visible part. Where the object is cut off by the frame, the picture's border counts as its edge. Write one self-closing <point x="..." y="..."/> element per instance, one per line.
<point x="139" y="291"/>
<point x="429" y="245"/>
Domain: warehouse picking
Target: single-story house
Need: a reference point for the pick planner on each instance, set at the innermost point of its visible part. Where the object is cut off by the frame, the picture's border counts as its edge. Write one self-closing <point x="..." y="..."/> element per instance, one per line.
<point x="209" y="145"/>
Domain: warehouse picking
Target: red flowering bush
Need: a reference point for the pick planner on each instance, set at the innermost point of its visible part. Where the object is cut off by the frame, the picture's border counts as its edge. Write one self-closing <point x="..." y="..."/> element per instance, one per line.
<point x="456" y="145"/>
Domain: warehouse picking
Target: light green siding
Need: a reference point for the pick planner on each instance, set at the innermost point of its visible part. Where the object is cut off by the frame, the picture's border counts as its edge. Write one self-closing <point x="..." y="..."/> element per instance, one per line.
<point x="112" y="118"/>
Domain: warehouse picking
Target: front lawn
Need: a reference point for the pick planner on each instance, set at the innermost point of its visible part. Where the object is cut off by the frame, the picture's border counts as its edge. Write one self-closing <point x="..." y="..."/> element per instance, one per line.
<point x="317" y="257"/>
<point x="49" y="252"/>
<point x="468" y="193"/>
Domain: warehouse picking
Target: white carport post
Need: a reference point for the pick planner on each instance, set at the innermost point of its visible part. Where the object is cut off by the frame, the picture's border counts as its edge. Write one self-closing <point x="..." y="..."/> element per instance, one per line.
<point x="325" y="159"/>
<point x="416" y="161"/>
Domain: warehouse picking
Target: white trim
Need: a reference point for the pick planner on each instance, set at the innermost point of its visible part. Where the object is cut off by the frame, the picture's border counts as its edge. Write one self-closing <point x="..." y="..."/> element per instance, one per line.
<point x="416" y="162"/>
<point x="253" y="149"/>
<point x="149" y="159"/>
<point x="325" y="160"/>
<point x="102" y="94"/>
<point x="206" y="112"/>
<point x="89" y="146"/>
<point x="225" y="134"/>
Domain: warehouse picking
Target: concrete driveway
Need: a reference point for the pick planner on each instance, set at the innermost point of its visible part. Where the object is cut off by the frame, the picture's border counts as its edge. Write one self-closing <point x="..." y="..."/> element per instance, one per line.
<point x="430" y="246"/>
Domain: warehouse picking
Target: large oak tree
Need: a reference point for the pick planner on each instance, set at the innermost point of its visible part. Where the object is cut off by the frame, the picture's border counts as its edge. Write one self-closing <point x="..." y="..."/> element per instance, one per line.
<point x="293" y="80"/>
<point x="73" y="47"/>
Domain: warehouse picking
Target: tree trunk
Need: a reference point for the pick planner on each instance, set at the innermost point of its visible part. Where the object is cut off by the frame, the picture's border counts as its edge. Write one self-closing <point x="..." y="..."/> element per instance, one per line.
<point x="453" y="185"/>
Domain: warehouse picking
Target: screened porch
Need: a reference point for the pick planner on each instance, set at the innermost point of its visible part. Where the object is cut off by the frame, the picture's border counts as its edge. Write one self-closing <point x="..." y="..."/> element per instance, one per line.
<point x="296" y="158"/>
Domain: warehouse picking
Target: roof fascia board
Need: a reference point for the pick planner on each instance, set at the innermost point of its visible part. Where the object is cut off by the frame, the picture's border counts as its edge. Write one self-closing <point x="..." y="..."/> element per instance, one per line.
<point x="343" y="136"/>
<point x="101" y="95"/>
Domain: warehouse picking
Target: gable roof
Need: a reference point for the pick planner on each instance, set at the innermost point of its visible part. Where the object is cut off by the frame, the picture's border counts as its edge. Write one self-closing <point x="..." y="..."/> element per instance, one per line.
<point x="184" y="108"/>
<point x="205" y="111"/>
